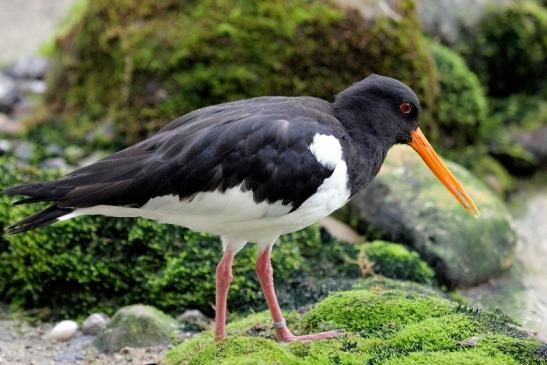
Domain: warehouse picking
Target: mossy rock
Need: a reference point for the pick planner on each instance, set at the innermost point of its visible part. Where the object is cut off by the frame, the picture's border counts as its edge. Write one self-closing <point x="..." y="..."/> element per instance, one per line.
<point x="407" y="204"/>
<point x="460" y="105"/>
<point x="394" y="261"/>
<point x="137" y="326"/>
<point x="401" y="326"/>
<point x="141" y="64"/>
<point x="518" y="68"/>
<point x="98" y="264"/>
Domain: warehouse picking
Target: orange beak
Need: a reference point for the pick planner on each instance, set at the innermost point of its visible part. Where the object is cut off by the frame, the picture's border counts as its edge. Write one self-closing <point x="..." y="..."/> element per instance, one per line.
<point x="437" y="166"/>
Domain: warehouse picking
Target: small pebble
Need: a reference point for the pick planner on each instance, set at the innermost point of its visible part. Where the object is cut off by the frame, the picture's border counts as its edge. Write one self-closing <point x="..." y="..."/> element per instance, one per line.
<point x="63" y="331"/>
<point x="196" y="318"/>
<point x="94" y="324"/>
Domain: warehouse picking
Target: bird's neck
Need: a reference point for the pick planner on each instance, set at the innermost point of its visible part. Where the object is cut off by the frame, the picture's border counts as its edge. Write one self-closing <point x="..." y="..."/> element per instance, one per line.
<point x="366" y="148"/>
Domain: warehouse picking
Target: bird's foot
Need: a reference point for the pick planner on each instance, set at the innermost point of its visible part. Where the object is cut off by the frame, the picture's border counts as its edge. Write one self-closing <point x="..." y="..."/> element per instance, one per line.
<point x="284" y="335"/>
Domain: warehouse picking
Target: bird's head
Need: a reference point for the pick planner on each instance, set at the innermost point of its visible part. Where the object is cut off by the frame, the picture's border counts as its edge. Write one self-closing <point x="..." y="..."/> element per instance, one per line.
<point x="387" y="110"/>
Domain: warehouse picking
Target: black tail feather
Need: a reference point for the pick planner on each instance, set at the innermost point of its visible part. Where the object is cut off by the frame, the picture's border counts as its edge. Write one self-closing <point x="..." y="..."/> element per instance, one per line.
<point x="45" y="217"/>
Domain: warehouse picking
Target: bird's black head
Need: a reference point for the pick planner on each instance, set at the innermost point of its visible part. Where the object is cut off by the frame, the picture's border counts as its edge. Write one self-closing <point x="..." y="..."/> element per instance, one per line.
<point x="380" y="107"/>
<point x="379" y="112"/>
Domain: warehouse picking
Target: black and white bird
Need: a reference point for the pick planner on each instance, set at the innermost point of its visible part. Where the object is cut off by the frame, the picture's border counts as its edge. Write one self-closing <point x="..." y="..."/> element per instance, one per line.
<point x="249" y="171"/>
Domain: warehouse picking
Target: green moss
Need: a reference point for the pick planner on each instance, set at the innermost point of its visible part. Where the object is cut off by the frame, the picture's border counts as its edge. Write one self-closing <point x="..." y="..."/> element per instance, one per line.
<point x="384" y="284"/>
<point x="395" y="261"/>
<point x="232" y="351"/>
<point x="526" y="351"/>
<point x="460" y="104"/>
<point x="373" y="313"/>
<point x="136" y="326"/>
<point x="426" y="336"/>
<point x="451" y="358"/>
<point x="141" y="64"/>
<point x="520" y="67"/>
<point x="431" y="334"/>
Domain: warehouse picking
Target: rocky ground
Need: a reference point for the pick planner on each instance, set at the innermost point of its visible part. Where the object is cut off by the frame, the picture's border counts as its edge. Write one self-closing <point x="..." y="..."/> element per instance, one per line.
<point x="24" y="344"/>
<point x="135" y="335"/>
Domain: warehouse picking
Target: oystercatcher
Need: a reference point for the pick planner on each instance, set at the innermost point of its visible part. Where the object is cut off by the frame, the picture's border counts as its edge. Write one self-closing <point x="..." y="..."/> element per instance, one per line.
<point x="249" y="171"/>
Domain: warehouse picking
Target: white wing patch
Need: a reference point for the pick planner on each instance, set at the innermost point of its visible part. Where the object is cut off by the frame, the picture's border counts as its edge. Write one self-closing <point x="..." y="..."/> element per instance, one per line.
<point x="327" y="150"/>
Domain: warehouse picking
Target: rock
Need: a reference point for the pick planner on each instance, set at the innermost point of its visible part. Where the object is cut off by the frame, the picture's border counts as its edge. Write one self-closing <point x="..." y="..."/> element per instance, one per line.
<point x="94" y="157"/>
<point x="387" y="322"/>
<point x="75" y="349"/>
<point x="8" y="93"/>
<point x="31" y="67"/>
<point x="470" y="342"/>
<point x="5" y="146"/>
<point x="94" y="324"/>
<point x="53" y="149"/>
<point x="407" y="204"/>
<point x="31" y="87"/>
<point x="534" y="142"/>
<point x="56" y="163"/>
<point x="63" y="331"/>
<point x="445" y="19"/>
<point x="23" y="150"/>
<point x="196" y="318"/>
<point x="136" y="326"/>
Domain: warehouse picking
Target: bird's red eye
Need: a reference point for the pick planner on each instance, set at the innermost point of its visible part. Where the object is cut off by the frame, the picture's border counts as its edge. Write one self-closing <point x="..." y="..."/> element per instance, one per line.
<point x="405" y="108"/>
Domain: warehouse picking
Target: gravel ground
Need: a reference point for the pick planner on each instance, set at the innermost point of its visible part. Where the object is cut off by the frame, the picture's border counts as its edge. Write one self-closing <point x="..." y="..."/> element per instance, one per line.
<point x="25" y="24"/>
<point x="23" y="344"/>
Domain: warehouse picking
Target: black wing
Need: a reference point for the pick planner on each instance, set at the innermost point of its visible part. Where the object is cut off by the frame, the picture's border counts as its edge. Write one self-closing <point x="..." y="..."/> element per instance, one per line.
<point x="261" y="143"/>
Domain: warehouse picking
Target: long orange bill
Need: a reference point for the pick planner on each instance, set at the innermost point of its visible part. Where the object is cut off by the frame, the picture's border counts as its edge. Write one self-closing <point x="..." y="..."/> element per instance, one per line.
<point x="437" y="166"/>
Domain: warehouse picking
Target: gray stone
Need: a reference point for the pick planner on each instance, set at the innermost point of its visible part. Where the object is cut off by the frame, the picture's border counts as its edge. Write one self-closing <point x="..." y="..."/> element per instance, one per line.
<point x="8" y="93"/>
<point x="23" y="150"/>
<point x="445" y="19"/>
<point x="56" y="163"/>
<point x="471" y="341"/>
<point x="94" y="324"/>
<point x="54" y="149"/>
<point x="196" y="318"/>
<point x="407" y="204"/>
<point x="535" y="143"/>
<point x="75" y="349"/>
<point x="31" y="87"/>
<point x="30" y="67"/>
<point x="5" y="146"/>
<point x="94" y="157"/>
<point x="137" y="326"/>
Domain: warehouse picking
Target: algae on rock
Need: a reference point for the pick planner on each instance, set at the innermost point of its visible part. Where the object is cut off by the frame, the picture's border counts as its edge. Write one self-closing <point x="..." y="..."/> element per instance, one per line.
<point x="407" y="204"/>
<point x="144" y="63"/>
<point x="137" y="326"/>
<point x="392" y="322"/>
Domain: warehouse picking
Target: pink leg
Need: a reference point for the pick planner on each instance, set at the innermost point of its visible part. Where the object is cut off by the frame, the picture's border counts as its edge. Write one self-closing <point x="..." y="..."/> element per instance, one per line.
<point x="223" y="280"/>
<point x="264" y="272"/>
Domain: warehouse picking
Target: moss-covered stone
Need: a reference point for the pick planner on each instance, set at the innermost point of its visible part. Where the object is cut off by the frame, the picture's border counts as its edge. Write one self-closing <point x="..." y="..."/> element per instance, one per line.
<point x="395" y="261"/>
<point x="460" y="105"/>
<point x="519" y="67"/>
<point x="408" y="204"/>
<point x="407" y="323"/>
<point x="144" y="63"/>
<point x="137" y="326"/>
<point x="372" y="313"/>
<point x="450" y="358"/>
